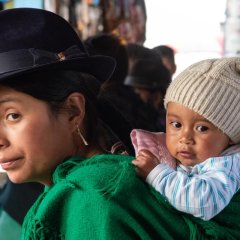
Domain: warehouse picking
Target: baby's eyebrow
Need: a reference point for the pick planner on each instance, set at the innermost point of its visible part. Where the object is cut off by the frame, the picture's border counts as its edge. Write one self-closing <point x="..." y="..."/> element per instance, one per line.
<point x="202" y="120"/>
<point x="197" y="119"/>
<point x="172" y="114"/>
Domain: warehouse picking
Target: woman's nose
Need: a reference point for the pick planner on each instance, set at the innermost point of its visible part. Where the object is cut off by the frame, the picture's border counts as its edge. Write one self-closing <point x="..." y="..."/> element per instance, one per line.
<point x="3" y="143"/>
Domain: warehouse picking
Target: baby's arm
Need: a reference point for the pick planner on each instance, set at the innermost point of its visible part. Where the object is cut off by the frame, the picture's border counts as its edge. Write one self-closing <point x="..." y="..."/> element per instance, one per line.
<point x="145" y="162"/>
<point x="203" y="193"/>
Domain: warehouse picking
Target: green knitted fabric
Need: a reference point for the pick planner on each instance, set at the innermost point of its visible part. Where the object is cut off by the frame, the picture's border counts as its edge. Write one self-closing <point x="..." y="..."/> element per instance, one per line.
<point x="102" y="198"/>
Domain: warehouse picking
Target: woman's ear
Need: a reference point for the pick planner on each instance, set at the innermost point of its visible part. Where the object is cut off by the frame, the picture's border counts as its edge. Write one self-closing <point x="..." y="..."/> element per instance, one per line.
<point x="75" y="104"/>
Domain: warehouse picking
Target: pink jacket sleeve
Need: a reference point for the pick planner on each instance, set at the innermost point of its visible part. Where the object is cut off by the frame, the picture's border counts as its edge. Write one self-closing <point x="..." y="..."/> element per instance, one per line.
<point x="155" y="142"/>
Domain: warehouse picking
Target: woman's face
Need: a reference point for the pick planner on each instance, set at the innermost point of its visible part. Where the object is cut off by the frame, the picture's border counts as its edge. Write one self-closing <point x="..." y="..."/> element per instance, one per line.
<point x="32" y="141"/>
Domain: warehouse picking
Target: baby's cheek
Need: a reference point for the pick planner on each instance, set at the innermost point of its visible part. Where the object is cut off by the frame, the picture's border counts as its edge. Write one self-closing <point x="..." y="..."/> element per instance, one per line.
<point x="171" y="146"/>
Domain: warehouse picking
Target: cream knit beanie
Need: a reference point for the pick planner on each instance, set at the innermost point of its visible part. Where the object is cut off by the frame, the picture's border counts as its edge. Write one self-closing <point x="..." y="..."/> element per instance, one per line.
<point x="211" y="88"/>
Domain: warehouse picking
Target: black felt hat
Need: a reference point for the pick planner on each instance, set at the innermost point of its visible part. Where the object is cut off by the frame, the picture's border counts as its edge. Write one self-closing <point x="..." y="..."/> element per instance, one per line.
<point x="149" y="74"/>
<point x="35" y="39"/>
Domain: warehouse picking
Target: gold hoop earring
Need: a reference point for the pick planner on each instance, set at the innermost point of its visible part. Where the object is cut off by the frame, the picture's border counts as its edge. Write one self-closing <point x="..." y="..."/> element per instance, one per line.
<point x="81" y="136"/>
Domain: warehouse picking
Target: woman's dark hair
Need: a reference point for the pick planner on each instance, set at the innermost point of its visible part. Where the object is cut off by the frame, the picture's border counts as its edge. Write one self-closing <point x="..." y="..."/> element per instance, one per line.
<point x="53" y="87"/>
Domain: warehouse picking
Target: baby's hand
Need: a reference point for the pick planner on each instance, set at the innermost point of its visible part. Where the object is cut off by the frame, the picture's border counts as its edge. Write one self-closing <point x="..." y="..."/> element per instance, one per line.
<point x="144" y="163"/>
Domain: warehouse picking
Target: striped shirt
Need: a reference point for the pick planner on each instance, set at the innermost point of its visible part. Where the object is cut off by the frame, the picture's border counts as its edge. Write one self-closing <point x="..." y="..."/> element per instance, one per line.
<point x="203" y="190"/>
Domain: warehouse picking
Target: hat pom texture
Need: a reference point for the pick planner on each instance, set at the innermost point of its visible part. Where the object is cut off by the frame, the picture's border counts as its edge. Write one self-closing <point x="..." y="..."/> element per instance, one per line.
<point x="211" y="88"/>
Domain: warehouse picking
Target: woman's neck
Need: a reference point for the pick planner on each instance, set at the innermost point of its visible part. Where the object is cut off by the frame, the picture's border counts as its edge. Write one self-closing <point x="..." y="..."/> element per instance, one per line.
<point x="94" y="150"/>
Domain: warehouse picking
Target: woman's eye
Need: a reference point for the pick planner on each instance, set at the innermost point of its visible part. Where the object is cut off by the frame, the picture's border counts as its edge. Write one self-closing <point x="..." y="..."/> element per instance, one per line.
<point x="176" y="124"/>
<point x="202" y="128"/>
<point x="13" y="116"/>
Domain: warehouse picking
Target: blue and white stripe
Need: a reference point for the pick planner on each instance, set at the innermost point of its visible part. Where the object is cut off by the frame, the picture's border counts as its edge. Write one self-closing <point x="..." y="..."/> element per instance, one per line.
<point x="203" y="190"/>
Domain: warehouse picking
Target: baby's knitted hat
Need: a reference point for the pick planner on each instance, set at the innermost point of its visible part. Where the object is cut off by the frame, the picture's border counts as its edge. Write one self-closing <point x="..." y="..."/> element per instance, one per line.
<point x="211" y="88"/>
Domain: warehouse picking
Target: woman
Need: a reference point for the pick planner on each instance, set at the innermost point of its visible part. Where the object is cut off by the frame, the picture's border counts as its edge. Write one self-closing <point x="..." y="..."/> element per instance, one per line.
<point x="49" y="119"/>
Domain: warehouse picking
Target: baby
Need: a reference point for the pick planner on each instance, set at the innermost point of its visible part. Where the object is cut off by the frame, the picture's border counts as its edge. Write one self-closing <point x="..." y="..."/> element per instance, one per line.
<point x="196" y="164"/>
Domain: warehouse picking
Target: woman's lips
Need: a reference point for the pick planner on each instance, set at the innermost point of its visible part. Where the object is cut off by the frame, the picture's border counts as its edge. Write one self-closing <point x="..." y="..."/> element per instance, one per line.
<point x="9" y="164"/>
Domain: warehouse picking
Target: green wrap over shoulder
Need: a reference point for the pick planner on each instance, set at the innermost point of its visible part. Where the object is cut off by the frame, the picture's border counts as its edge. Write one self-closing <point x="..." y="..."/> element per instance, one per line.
<point x="102" y="198"/>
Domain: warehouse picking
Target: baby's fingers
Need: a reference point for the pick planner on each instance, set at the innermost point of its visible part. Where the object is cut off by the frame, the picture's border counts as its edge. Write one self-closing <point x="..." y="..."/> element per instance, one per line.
<point x="135" y="162"/>
<point x="139" y="164"/>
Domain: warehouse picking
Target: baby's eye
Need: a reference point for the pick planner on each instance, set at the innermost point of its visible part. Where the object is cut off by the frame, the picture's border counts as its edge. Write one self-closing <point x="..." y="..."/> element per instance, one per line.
<point x="202" y="128"/>
<point x="13" y="116"/>
<point x="176" y="124"/>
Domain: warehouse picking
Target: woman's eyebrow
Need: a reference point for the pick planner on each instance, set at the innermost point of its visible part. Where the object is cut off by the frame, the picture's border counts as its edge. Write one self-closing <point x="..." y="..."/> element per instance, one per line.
<point x="8" y="99"/>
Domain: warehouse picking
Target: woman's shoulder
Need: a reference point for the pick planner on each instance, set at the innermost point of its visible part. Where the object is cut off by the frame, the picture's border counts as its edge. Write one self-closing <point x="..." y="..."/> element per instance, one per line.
<point x="96" y="171"/>
<point x="103" y="178"/>
<point x="103" y="170"/>
<point x="102" y="175"/>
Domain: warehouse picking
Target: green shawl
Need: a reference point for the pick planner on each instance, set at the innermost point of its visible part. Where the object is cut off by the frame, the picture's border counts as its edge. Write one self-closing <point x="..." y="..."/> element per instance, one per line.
<point x="102" y="198"/>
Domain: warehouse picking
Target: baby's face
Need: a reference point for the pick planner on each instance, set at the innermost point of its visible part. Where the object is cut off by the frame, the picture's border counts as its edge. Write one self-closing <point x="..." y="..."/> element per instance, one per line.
<point x="191" y="138"/>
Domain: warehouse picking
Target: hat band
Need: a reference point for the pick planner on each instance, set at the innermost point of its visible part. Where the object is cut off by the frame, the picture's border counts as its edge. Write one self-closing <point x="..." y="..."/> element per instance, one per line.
<point x="141" y="82"/>
<point x="30" y="58"/>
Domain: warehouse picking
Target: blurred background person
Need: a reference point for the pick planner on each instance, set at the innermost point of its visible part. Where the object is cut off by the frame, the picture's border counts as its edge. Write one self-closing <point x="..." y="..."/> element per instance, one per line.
<point x="15" y="201"/>
<point x="167" y="56"/>
<point x="150" y="79"/>
<point x="138" y="52"/>
<point x="138" y="113"/>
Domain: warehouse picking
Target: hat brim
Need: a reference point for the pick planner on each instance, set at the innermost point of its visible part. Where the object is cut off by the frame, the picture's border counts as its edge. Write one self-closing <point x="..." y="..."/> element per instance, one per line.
<point x="137" y="82"/>
<point x="101" y="67"/>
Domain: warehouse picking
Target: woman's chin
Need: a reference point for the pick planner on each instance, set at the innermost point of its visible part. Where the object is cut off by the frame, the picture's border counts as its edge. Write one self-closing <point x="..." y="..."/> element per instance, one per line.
<point x="16" y="179"/>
